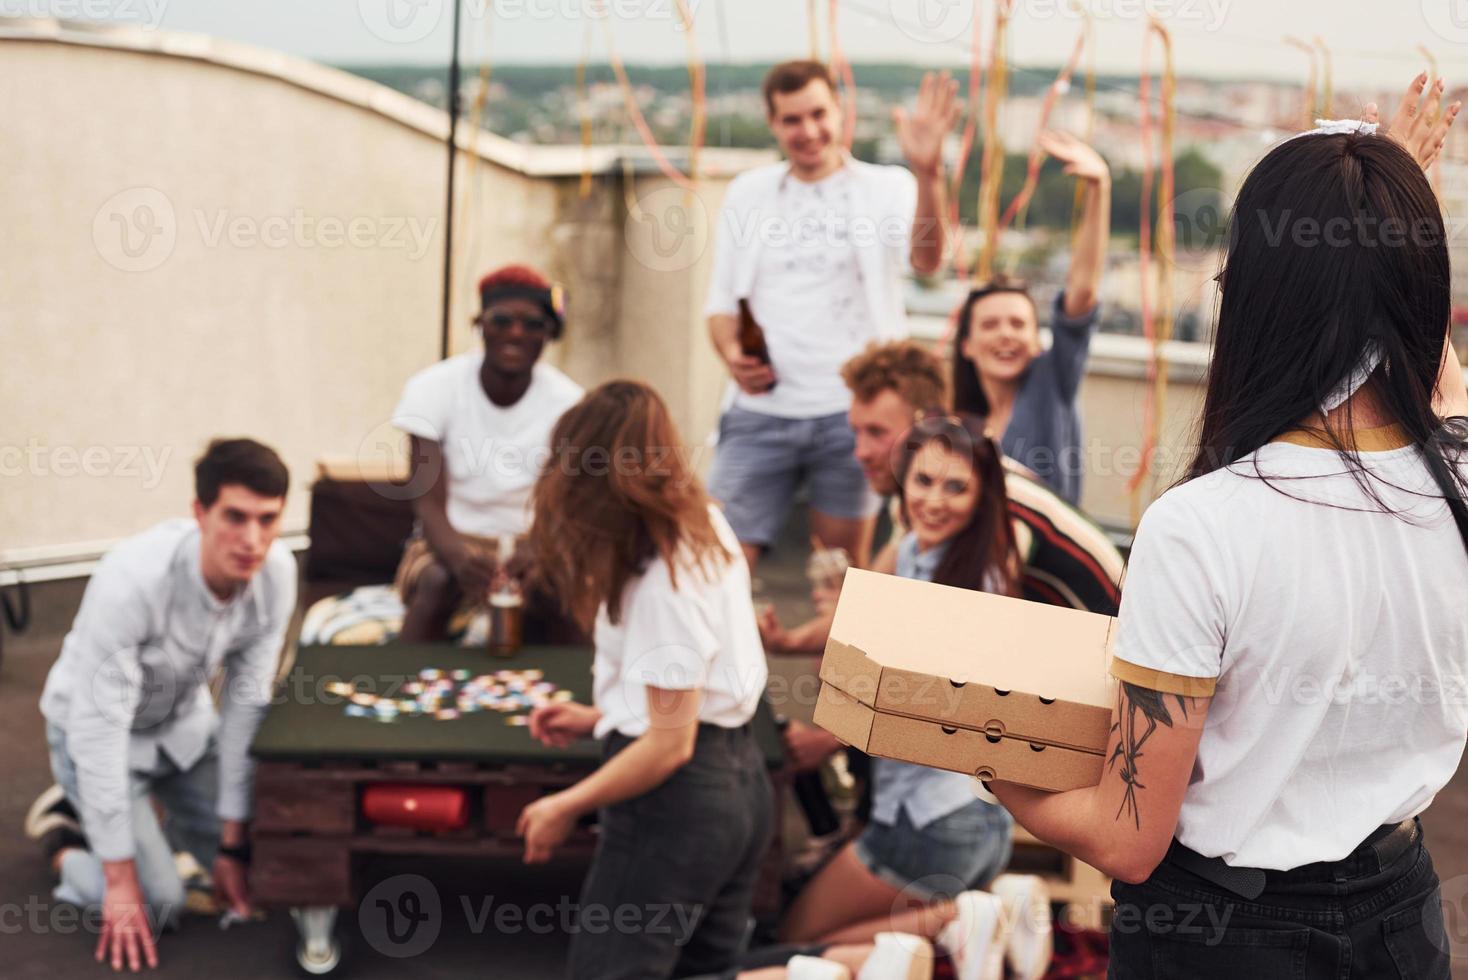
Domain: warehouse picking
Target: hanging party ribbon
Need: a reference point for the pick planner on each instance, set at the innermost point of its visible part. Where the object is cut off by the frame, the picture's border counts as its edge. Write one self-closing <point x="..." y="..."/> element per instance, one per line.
<point x="464" y="208"/>
<point x="697" y="87"/>
<point x="991" y="168"/>
<point x="583" y="110"/>
<point x="1089" y="132"/>
<point x="1327" y="84"/>
<point x="1156" y="313"/>
<point x="639" y="122"/>
<point x="1307" y="114"/>
<point x="1021" y="201"/>
<point x="841" y="68"/>
<point x="965" y="147"/>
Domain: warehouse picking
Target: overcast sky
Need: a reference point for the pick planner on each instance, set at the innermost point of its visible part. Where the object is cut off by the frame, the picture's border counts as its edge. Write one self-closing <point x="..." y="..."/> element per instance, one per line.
<point x="1374" y="42"/>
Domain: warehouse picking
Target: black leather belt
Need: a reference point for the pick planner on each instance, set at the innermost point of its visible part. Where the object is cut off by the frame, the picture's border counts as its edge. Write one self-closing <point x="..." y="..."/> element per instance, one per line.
<point x="1388" y="843"/>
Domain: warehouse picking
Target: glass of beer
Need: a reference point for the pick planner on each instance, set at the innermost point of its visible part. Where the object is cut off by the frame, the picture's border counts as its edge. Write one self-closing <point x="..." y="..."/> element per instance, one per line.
<point x="506" y="604"/>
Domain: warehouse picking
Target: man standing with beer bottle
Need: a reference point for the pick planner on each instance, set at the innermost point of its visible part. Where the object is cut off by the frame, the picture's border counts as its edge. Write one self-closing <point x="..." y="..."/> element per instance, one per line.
<point x="809" y="256"/>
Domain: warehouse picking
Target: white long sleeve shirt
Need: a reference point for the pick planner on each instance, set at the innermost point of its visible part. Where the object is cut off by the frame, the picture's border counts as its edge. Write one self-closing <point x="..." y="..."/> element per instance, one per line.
<point x="133" y="676"/>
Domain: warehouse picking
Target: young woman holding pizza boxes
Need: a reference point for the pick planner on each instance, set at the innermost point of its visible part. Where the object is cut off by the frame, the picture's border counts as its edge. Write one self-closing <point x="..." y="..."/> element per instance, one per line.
<point x="1296" y="609"/>
<point x="930" y="838"/>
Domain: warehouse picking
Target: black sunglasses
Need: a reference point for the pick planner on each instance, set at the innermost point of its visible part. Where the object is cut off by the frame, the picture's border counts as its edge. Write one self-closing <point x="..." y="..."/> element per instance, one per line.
<point x="500" y="322"/>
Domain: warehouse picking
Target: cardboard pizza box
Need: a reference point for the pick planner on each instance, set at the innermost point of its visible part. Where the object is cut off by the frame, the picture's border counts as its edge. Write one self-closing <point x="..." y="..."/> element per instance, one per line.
<point x="975" y="753"/>
<point x="999" y="666"/>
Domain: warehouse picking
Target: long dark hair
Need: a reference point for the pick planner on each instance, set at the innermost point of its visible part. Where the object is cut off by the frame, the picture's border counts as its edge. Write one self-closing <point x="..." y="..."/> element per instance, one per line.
<point x="968" y="393"/>
<point x="984" y="552"/>
<point x="616" y="494"/>
<point x="1336" y="242"/>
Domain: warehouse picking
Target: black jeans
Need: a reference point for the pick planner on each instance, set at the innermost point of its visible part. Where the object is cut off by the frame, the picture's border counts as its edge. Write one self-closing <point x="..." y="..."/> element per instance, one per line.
<point x="1342" y="920"/>
<point x="669" y="890"/>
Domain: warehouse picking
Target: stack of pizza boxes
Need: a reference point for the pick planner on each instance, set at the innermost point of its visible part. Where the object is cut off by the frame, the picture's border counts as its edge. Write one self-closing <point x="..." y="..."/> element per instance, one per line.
<point x="991" y="686"/>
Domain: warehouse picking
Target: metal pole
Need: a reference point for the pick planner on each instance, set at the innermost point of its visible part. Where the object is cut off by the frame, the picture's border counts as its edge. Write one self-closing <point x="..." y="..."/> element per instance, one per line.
<point x="448" y="207"/>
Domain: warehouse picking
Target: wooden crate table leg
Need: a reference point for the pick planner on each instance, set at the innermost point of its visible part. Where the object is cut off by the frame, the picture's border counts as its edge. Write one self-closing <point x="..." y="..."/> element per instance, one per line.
<point x="301" y="871"/>
<point x="503" y="803"/>
<point x="290" y="799"/>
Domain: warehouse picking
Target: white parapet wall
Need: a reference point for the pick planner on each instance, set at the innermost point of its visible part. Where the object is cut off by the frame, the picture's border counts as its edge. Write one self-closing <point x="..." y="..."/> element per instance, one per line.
<point x="206" y="238"/>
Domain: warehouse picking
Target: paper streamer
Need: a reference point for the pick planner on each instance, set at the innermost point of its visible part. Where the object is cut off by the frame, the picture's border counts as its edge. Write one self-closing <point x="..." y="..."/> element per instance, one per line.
<point x="965" y="147"/>
<point x="697" y="87"/>
<point x="1021" y="201"/>
<point x="468" y="237"/>
<point x="1089" y="132"/>
<point x="1307" y="112"/>
<point x="583" y="109"/>
<point x="841" y="68"/>
<point x="629" y="97"/>
<point x="991" y="169"/>
<point x="1328" y="95"/>
<point x="1156" y="298"/>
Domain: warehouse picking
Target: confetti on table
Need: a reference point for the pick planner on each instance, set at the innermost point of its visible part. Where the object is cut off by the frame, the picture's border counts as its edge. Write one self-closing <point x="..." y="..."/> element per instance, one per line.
<point x="446" y="695"/>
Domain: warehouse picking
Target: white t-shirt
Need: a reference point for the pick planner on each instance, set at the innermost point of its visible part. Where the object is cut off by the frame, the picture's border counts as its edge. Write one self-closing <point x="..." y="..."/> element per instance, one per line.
<point x="1338" y="639"/>
<point x="821" y="264"/>
<point x="702" y="634"/>
<point x="493" y="455"/>
<point x="808" y="297"/>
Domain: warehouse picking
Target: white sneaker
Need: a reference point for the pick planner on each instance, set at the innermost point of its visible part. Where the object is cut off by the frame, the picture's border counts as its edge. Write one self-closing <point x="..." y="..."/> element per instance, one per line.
<point x="1031" y="934"/>
<point x="976" y="937"/>
<point x="815" y="968"/>
<point x="898" y="956"/>
<point x="51" y="811"/>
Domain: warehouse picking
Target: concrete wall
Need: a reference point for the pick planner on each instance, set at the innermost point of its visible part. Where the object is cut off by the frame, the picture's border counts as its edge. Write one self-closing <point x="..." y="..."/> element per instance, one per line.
<point x="204" y="238"/>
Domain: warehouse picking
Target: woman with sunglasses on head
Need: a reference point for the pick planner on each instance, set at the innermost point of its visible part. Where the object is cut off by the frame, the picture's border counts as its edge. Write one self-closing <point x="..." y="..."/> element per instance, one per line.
<point x="479" y="423"/>
<point x="930" y="838"/>
<point x="626" y="536"/>
<point x="999" y="367"/>
<point x="1294" y="622"/>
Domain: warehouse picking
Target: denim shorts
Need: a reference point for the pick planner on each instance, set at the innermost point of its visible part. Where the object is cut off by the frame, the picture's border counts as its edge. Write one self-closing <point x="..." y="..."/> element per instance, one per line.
<point x="762" y="460"/>
<point x="959" y="851"/>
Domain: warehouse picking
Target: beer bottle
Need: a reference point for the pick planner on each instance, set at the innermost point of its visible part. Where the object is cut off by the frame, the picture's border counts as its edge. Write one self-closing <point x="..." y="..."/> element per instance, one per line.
<point x="752" y="337"/>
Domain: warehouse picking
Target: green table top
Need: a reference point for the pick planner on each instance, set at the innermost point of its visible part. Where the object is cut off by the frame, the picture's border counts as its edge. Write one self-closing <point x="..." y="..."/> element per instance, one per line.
<point x="307" y="723"/>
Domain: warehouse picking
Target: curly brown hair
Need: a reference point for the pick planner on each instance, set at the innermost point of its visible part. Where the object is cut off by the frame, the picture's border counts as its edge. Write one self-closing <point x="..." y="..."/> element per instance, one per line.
<point x="616" y="493"/>
<point x="903" y="366"/>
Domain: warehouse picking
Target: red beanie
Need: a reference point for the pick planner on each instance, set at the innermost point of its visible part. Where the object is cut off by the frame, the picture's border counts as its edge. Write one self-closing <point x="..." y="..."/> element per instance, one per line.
<point x="523" y="281"/>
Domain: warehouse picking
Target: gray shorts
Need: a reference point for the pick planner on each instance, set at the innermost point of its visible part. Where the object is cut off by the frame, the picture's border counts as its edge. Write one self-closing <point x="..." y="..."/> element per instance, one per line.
<point x="762" y="460"/>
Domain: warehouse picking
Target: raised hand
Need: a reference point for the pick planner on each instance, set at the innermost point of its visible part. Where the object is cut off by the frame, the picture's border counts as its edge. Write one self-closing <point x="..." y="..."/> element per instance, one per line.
<point x="1078" y="158"/>
<point x="921" y="133"/>
<point x="1418" y="124"/>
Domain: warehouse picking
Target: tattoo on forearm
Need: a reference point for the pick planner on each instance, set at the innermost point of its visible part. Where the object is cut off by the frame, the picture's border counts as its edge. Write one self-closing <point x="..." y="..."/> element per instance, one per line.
<point x="1132" y="701"/>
